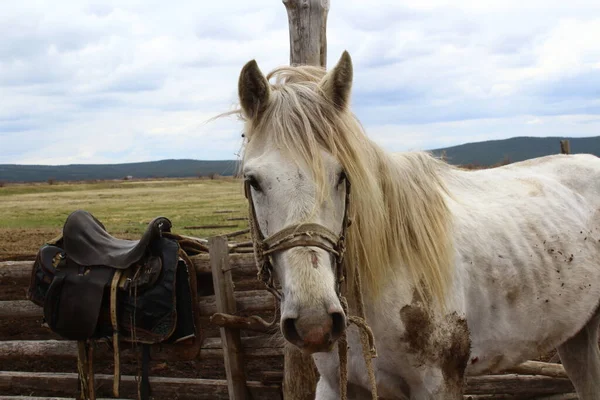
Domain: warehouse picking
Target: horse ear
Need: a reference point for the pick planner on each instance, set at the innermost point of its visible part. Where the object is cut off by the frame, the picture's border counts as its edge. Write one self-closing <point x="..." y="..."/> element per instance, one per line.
<point x="337" y="83"/>
<point x="253" y="90"/>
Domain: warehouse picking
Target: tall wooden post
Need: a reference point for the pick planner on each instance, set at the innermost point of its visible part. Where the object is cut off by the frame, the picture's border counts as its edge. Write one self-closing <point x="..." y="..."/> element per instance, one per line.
<point x="308" y="46"/>
<point x="565" y="147"/>
<point x="308" y="31"/>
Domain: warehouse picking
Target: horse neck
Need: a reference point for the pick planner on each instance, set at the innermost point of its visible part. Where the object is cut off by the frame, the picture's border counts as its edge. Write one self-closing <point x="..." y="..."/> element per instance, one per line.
<point x="403" y="176"/>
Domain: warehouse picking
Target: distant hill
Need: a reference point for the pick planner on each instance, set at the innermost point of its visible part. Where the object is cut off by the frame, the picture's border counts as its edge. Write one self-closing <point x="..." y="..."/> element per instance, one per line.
<point x="515" y="149"/>
<point x="151" y="169"/>
<point x="481" y="153"/>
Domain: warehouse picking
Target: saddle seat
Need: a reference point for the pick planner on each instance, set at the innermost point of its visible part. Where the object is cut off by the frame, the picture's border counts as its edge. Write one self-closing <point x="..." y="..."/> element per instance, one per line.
<point x="87" y="242"/>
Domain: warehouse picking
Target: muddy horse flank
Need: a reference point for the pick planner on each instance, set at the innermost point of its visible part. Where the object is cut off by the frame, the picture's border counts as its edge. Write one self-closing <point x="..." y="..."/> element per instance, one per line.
<point x="462" y="271"/>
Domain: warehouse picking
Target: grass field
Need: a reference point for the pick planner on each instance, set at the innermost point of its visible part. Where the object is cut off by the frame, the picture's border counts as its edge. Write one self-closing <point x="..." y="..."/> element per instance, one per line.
<point x="30" y="214"/>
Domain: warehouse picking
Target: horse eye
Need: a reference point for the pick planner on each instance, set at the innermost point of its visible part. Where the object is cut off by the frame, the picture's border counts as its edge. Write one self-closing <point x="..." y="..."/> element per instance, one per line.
<point x="253" y="182"/>
<point x="342" y="178"/>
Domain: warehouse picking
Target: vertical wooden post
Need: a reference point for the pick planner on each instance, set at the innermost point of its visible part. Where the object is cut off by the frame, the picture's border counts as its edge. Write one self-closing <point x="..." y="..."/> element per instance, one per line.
<point x="565" y="147"/>
<point x="308" y="31"/>
<point x="300" y="374"/>
<point x="308" y="46"/>
<point x="232" y="345"/>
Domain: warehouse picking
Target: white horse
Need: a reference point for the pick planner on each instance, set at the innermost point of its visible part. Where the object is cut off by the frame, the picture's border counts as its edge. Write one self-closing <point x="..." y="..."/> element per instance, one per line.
<point x="464" y="272"/>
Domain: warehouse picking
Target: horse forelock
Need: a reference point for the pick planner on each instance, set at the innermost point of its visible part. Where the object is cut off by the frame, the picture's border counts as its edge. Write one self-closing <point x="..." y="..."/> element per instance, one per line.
<point x="401" y="222"/>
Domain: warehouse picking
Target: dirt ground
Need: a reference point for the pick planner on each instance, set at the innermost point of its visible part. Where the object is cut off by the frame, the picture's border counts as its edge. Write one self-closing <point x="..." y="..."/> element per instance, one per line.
<point x="23" y="244"/>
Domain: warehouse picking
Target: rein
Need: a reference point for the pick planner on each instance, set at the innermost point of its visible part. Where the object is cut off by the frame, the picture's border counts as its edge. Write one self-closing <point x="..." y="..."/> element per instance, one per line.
<point x="316" y="235"/>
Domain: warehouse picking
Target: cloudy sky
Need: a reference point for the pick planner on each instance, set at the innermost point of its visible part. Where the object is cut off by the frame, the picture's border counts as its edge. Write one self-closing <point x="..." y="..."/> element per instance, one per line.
<point x="136" y="80"/>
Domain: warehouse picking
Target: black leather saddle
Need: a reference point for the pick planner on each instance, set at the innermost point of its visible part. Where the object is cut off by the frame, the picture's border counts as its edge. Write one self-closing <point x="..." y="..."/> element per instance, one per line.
<point x="93" y="285"/>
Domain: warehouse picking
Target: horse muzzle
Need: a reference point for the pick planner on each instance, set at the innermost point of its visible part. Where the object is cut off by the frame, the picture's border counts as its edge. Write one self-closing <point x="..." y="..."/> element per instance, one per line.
<point x="314" y="331"/>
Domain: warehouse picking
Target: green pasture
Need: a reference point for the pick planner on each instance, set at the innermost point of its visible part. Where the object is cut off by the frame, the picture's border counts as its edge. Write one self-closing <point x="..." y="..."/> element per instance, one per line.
<point x="125" y="207"/>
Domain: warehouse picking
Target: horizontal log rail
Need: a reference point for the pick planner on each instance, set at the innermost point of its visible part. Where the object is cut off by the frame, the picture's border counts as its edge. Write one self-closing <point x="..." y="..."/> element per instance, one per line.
<point x="523" y="385"/>
<point x="15" y="275"/>
<point x="254" y="347"/>
<point x="46" y="398"/>
<point x="540" y="368"/>
<point x="242" y="264"/>
<point x="249" y="301"/>
<point x="560" y="396"/>
<point x="477" y="387"/>
<point x="166" y="388"/>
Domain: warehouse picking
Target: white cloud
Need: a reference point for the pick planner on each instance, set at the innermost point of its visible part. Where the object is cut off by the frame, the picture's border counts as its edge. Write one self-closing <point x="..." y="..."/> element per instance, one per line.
<point x="131" y="80"/>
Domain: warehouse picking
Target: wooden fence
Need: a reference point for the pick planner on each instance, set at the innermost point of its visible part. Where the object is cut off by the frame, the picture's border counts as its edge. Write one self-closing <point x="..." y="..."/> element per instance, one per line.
<point x="239" y="363"/>
<point x="238" y="359"/>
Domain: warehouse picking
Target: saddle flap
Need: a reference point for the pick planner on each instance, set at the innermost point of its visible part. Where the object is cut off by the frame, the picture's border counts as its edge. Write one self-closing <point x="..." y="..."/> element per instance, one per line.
<point x="74" y="300"/>
<point x="87" y="242"/>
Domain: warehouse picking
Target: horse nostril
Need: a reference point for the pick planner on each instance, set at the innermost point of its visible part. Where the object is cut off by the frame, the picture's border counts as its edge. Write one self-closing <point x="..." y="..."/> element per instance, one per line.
<point x="339" y="324"/>
<point x="289" y="330"/>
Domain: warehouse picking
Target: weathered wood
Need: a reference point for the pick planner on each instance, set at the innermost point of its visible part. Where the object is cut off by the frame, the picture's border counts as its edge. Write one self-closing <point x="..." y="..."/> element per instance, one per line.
<point x="45" y="398"/>
<point x="262" y="346"/>
<point x="15" y="271"/>
<point x="243" y="282"/>
<point x="308" y="31"/>
<point x="518" y="385"/>
<point x="252" y="323"/>
<point x="14" y="276"/>
<point x="260" y="343"/>
<point x="224" y="295"/>
<point x="21" y="309"/>
<point x="564" y="396"/>
<point x="164" y="388"/>
<point x="540" y="368"/>
<point x="21" y="270"/>
<point x="240" y="232"/>
<point x="565" y="147"/>
<point x="14" y="279"/>
<point x="248" y="301"/>
<point x="271" y="377"/>
<point x="244" y="250"/>
<point x="503" y="386"/>
<point x="32" y="329"/>
<point x="241" y="264"/>
<point x="241" y="245"/>
<point x="300" y="377"/>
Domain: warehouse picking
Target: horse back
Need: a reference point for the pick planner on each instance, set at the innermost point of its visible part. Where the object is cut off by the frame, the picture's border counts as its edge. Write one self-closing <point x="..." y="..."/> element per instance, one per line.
<point x="527" y="240"/>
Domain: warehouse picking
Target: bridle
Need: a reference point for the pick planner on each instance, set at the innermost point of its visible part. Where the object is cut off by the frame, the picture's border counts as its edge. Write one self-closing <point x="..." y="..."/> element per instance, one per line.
<point x="298" y="235"/>
<point x="316" y="235"/>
